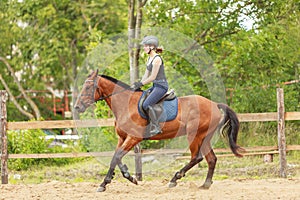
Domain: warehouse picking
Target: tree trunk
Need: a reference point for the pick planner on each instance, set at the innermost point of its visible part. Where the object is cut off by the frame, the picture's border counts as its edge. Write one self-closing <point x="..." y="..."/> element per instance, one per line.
<point x="138" y="24"/>
<point x="12" y="98"/>
<point x="134" y="31"/>
<point x="131" y="37"/>
<point x="29" y="101"/>
<point x="135" y="16"/>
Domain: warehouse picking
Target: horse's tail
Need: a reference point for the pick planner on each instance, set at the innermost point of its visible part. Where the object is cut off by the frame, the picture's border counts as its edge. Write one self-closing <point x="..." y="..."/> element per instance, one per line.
<point x="230" y="127"/>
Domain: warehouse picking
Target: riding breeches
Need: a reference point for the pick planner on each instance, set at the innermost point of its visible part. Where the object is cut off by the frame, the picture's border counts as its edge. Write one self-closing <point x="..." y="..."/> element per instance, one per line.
<point x="156" y="93"/>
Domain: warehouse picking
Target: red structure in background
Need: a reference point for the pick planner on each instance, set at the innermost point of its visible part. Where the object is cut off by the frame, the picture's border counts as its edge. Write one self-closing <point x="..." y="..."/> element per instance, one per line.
<point x="57" y="107"/>
<point x="61" y="105"/>
<point x="55" y="104"/>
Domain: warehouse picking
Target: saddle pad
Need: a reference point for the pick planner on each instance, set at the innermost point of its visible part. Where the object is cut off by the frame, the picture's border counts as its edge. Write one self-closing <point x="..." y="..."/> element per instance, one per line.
<point x="170" y="109"/>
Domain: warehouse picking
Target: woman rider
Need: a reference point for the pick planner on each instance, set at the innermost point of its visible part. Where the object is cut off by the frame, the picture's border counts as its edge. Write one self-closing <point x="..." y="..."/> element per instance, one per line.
<point x="154" y="73"/>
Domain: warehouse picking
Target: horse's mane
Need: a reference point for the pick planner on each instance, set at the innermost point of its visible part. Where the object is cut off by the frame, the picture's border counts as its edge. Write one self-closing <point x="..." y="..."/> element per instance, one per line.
<point x="116" y="81"/>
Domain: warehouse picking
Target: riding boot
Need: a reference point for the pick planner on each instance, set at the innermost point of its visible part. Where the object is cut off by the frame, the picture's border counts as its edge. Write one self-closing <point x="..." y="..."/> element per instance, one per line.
<point x="154" y="127"/>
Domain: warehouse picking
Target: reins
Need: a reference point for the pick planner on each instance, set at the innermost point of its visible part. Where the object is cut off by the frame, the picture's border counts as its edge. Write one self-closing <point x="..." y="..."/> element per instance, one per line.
<point x="114" y="93"/>
<point x="104" y="97"/>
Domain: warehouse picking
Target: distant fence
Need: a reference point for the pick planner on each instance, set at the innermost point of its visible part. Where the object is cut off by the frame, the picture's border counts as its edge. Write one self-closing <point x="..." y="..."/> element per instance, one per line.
<point x="280" y="116"/>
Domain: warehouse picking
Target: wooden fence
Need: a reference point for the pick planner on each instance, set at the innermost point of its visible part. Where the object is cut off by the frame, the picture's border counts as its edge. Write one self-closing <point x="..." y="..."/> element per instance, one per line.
<point x="279" y="116"/>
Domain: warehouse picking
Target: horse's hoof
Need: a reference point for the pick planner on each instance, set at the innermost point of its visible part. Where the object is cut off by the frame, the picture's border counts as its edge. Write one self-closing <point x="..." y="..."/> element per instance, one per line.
<point x="172" y="184"/>
<point x="205" y="186"/>
<point x="101" y="189"/>
<point x="134" y="180"/>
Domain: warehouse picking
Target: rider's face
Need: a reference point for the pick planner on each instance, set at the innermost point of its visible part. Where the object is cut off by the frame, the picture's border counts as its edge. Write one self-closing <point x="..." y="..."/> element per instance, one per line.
<point x="148" y="47"/>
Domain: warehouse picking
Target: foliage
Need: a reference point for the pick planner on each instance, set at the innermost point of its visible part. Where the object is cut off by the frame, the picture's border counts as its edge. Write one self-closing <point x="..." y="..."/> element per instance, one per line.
<point x="247" y="57"/>
<point x="46" y="41"/>
<point x="98" y="139"/>
<point x="252" y="66"/>
<point x="33" y="141"/>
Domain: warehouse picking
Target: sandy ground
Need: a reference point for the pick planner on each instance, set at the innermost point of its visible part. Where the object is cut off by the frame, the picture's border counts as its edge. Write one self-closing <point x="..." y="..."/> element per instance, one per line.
<point x="188" y="190"/>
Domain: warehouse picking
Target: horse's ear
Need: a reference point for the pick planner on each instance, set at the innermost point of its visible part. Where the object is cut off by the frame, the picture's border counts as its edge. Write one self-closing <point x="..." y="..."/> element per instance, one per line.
<point x="94" y="73"/>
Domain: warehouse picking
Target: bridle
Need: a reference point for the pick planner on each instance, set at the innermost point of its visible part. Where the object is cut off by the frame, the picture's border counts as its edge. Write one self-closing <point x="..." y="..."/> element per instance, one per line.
<point x="91" y="95"/>
<point x="95" y="88"/>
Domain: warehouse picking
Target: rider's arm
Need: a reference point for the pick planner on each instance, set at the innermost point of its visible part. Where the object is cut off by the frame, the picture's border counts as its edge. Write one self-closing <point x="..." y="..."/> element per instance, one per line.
<point x="146" y="74"/>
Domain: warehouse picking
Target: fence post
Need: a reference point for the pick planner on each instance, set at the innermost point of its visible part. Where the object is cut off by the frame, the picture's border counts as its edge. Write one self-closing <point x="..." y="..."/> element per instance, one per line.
<point x="3" y="125"/>
<point x="281" y="134"/>
<point x="138" y="162"/>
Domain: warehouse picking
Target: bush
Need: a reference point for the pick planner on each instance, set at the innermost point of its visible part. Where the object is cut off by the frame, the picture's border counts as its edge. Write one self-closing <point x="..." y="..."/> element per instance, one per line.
<point x="99" y="139"/>
<point x="33" y="141"/>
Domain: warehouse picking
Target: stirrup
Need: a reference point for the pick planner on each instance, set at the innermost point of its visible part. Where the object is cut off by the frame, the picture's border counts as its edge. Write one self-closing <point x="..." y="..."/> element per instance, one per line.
<point x="155" y="131"/>
<point x="151" y="132"/>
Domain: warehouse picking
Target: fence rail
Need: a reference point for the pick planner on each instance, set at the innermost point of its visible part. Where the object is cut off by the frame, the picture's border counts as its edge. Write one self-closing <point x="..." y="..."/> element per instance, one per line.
<point x="182" y="153"/>
<point x="60" y="124"/>
<point x="264" y="117"/>
<point x="279" y="116"/>
<point x="245" y="117"/>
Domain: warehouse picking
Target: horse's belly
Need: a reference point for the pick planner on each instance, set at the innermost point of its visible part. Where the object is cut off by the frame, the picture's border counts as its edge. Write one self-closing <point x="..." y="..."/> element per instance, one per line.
<point x="173" y="129"/>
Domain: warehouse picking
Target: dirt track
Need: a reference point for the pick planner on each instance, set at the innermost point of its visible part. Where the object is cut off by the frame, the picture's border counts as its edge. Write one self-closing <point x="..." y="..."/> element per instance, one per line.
<point x="151" y="190"/>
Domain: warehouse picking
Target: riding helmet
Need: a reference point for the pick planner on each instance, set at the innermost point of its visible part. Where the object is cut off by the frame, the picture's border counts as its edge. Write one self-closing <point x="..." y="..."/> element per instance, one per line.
<point x="150" y="40"/>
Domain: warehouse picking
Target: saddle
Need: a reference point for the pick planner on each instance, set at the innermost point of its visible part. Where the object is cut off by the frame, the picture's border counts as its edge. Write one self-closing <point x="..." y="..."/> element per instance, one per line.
<point x="166" y="107"/>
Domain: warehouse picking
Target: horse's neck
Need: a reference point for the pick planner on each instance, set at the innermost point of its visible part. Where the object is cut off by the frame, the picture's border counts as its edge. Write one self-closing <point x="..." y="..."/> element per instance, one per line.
<point x="119" y="98"/>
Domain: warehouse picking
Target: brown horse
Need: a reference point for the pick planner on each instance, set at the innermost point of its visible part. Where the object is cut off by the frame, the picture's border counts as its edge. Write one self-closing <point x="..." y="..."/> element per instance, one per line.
<point x="198" y="118"/>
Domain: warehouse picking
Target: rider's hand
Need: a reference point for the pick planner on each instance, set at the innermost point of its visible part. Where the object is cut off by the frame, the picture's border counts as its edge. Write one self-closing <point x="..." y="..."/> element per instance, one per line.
<point x="136" y="85"/>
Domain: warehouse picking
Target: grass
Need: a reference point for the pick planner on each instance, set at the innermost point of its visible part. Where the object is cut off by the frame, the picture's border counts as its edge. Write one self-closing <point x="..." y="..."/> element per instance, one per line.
<point x="94" y="170"/>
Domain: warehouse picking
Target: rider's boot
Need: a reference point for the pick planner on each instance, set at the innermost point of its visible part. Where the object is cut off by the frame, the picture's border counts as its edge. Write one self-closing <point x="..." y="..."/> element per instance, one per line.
<point x="154" y="127"/>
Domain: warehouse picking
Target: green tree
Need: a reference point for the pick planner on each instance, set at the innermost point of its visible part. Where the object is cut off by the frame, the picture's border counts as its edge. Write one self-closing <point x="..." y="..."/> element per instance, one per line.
<point x="51" y="38"/>
<point x="258" y="61"/>
<point x="247" y="56"/>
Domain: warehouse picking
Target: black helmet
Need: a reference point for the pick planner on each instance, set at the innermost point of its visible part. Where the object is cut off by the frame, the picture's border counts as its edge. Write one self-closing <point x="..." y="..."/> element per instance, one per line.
<point x="150" y="40"/>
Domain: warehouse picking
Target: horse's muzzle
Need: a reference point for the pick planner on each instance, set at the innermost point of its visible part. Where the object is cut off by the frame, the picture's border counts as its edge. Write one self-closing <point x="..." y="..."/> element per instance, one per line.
<point x="79" y="108"/>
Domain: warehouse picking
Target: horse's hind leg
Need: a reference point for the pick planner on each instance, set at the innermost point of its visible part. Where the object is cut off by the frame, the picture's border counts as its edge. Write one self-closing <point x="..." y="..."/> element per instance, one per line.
<point x="196" y="158"/>
<point x="211" y="160"/>
<point x="125" y="173"/>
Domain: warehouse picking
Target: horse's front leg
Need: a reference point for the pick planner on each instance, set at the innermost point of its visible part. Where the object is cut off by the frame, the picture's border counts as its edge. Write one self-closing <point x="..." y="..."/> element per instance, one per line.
<point x="117" y="160"/>
<point x="110" y="174"/>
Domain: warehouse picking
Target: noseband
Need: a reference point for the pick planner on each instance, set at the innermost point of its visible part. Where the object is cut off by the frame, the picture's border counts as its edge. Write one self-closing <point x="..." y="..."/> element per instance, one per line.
<point x="95" y="88"/>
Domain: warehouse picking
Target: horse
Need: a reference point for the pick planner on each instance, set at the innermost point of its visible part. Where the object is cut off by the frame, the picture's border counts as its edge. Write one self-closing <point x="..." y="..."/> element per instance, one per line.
<point x="198" y="118"/>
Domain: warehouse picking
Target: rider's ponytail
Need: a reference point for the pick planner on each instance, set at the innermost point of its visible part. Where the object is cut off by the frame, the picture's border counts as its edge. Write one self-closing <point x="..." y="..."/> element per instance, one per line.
<point x="159" y="50"/>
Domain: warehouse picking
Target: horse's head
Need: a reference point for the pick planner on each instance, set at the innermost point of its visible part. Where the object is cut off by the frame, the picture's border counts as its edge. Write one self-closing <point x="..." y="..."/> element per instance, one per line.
<point x="89" y="93"/>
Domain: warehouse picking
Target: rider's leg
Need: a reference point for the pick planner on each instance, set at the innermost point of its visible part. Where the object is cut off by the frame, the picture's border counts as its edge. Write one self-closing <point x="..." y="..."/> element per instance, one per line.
<point x="154" y="122"/>
<point x="156" y="94"/>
